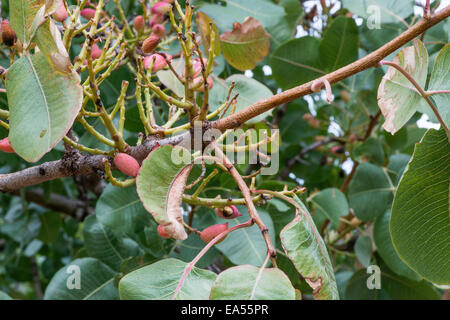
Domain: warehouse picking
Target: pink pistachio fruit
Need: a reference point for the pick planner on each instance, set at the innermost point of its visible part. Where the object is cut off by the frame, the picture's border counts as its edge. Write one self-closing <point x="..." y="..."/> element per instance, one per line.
<point x="127" y="164"/>
<point x="211" y="232"/>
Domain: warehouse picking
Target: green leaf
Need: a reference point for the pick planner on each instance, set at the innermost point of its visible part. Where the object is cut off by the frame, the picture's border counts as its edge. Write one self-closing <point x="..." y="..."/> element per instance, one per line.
<point x="160" y="186"/>
<point x="246" y="245"/>
<point x="397" y="164"/>
<point x="389" y="11"/>
<point x="249" y="91"/>
<point x="306" y="249"/>
<point x="246" y="45"/>
<point x="159" y="280"/>
<point x="48" y="39"/>
<point x="190" y="248"/>
<point x="43" y="105"/>
<point x="203" y="25"/>
<point x="339" y="45"/>
<point x="397" y="97"/>
<point x="269" y="14"/>
<point x="374" y="38"/>
<point x="385" y="248"/>
<point x="371" y="150"/>
<point x="296" y="62"/>
<point x="104" y="244"/>
<point x="121" y="209"/>
<point x="420" y="213"/>
<point x="330" y="203"/>
<point x="363" y="250"/>
<point x="392" y="288"/>
<point x="287" y="27"/>
<point x="50" y="225"/>
<point x="4" y="296"/>
<point x="22" y="13"/>
<point x="170" y="80"/>
<point x="301" y="60"/>
<point x="370" y="193"/>
<point x="96" y="282"/>
<point x="440" y="80"/>
<point x="250" y="283"/>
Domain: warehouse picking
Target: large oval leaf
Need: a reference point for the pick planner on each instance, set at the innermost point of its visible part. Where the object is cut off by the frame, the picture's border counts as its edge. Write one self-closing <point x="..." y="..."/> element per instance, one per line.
<point x="250" y="283"/>
<point x="43" y="105"/>
<point x="246" y="45"/>
<point x="370" y="192"/>
<point x="269" y="14"/>
<point x="330" y="203"/>
<point x="159" y="280"/>
<point x="306" y="249"/>
<point x="419" y="225"/>
<point x="385" y="248"/>
<point x="392" y="288"/>
<point x="96" y="282"/>
<point x="387" y="11"/>
<point x="160" y="185"/>
<point x="296" y="62"/>
<point x="340" y="42"/>
<point x="104" y="244"/>
<point x="120" y="209"/>
<point x="22" y="14"/>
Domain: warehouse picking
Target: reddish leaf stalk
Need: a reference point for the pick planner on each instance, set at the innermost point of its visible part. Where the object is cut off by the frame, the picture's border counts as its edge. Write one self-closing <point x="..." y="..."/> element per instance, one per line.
<point x="191" y="264"/>
<point x="248" y="202"/>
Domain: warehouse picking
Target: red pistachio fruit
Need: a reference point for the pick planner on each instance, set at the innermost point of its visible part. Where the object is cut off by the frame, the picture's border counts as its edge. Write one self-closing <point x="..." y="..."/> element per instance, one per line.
<point x="5" y="146"/>
<point x="162" y="233"/>
<point x="197" y="67"/>
<point x="159" y="62"/>
<point x="156" y="19"/>
<point x="8" y="34"/>
<point x="198" y="83"/>
<point x="88" y="13"/>
<point x="127" y="164"/>
<point x="96" y="51"/>
<point x="158" y="30"/>
<point x="161" y="7"/>
<point x="211" y="232"/>
<point x="139" y="23"/>
<point x="228" y="212"/>
<point x="60" y="14"/>
<point x="150" y="44"/>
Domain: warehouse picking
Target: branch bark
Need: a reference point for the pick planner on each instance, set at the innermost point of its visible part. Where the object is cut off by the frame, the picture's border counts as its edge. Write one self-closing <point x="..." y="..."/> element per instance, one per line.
<point x="369" y="61"/>
<point x="90" y="164"/>
<point x="73" y="163"/>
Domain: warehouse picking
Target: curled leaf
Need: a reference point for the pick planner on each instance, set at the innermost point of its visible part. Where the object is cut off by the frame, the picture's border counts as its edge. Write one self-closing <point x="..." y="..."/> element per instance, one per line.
<point x="175" y="226"/>
<point x="160" y="184"/>
<point x="246" y="45"/>
<point x="306" y="249"/>
<point x="397" y="98"/>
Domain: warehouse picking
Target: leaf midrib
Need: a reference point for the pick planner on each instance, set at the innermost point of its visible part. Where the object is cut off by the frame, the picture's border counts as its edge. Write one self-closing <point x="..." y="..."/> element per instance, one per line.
<point x="49" y="133"/>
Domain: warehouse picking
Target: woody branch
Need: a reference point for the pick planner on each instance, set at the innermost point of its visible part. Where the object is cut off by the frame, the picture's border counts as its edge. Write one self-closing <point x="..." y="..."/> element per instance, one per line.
<point x="87" y="164"/>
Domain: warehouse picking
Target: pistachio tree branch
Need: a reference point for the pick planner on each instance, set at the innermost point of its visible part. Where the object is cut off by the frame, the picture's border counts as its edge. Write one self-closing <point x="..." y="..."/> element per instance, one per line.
<point x="88" y="164"/>
<point x="369" y="61"/>
<point x="74" y="163"/>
